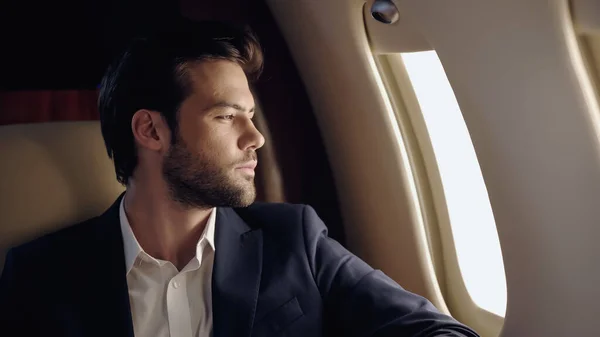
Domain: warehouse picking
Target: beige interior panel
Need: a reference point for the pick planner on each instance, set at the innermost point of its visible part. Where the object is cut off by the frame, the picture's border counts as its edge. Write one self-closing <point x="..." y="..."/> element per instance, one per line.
<point x="586" y="16"/>
<point x="377" y="192"/>
<point x="529" y="104"/>
<point x="591" y="50"/>
<point x="52" y="175"/>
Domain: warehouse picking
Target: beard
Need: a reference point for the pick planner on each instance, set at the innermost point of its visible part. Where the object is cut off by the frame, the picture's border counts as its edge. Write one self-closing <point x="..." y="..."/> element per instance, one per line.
<point x="198" y="181"/>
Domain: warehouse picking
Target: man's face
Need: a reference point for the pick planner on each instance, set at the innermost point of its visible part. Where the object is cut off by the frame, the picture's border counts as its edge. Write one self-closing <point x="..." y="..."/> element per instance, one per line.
<point x="212" y="158"/>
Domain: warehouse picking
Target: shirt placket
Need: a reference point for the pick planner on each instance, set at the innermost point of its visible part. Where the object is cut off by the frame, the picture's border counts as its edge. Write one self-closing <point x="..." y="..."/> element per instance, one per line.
<point x="178" y="309"/>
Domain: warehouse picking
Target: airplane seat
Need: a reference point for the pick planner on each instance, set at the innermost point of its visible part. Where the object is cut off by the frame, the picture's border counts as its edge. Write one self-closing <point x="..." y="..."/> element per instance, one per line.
<point x="52" y="175"/>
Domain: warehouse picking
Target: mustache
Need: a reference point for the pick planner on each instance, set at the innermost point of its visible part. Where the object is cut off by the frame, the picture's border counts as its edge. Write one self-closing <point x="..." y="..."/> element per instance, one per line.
<point x="250" y="156"/>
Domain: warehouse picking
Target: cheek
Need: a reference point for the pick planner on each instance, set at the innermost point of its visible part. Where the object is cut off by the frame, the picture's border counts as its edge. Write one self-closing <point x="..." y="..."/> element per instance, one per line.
<point x="218" y="147"/>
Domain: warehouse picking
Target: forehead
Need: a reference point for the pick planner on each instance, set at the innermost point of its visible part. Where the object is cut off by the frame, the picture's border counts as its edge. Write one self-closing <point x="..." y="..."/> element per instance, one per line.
<point x="218" y="80"/>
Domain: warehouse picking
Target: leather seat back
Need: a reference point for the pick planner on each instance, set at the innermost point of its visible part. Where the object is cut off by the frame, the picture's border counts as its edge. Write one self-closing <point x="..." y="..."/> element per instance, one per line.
<point x="52" y="175"/>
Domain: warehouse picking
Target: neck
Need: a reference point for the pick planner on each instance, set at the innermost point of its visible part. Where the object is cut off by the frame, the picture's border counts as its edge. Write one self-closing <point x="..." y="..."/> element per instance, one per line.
<point x="165" y="229"/>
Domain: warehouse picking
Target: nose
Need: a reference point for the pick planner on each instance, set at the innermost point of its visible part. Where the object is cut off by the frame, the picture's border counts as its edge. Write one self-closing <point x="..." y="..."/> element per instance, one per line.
<point x="252" y="138"/>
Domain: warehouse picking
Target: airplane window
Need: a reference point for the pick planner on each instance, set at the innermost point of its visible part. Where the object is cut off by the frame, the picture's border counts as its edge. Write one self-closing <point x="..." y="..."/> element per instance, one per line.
<point x="471" y="218"/>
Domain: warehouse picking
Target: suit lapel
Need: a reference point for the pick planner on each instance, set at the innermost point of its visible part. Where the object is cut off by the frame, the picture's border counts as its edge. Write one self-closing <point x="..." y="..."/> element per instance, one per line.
<point x="108" y="294"/>
<point x="235" y="282"/>
<point x="236" y="275"/>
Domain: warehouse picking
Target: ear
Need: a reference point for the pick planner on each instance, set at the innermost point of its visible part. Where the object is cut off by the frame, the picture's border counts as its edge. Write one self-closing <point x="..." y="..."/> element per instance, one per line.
<point x="150" y="130"/>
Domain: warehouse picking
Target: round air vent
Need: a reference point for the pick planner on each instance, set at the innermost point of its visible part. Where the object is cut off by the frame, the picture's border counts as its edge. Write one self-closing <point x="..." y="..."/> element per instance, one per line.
<point x="385" y="11"/>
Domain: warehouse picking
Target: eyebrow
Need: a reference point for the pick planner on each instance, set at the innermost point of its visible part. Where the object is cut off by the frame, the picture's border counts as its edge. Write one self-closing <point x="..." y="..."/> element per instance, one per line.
<point x="224" y="104"/>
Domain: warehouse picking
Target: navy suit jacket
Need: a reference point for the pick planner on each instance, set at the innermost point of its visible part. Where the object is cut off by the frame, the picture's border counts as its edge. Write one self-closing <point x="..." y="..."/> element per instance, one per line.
<point x="276" y="273"/>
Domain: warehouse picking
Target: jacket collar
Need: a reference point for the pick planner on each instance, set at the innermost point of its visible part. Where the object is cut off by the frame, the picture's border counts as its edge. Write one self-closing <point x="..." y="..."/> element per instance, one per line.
<point x="235" y="282"/>
<point x="107" y="275"/>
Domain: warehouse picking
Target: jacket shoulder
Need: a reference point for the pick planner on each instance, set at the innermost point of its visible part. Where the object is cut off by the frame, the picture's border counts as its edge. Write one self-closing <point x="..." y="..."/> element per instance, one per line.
<point x="274" y="215"/>
<point x="49" y="245"/>
<point x="281" y="219"/>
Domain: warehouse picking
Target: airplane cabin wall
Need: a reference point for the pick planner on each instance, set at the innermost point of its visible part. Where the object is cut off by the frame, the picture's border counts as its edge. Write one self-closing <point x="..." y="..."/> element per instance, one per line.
<point x="520" y="79"/>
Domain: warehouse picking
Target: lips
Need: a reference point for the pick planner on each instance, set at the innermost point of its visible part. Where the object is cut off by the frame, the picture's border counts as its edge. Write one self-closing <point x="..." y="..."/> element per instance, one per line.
<point x="249" y="165"/>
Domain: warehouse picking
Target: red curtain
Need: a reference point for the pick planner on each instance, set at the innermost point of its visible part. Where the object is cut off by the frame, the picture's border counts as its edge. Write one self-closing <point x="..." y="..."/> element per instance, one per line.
<point x="47" y="105"/>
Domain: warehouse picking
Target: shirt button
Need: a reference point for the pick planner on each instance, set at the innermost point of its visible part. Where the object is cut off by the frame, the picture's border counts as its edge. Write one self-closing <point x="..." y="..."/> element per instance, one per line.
<point x="175" y="284"/>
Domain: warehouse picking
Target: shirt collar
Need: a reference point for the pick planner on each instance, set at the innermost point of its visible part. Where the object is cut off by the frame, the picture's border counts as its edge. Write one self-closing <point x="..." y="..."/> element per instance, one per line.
<point x="133" y="249"/>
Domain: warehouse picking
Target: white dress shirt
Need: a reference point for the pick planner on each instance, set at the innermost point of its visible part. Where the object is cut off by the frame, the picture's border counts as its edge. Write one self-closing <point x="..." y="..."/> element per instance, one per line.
<point x="166" y="302"/>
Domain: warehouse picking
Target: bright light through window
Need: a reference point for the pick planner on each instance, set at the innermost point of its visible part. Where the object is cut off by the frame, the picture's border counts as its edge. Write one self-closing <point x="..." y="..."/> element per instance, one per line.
<point x="471" y="217"/>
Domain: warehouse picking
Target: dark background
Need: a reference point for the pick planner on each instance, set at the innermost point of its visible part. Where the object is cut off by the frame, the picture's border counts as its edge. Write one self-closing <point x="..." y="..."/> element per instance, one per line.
<point x="53" y="55"/>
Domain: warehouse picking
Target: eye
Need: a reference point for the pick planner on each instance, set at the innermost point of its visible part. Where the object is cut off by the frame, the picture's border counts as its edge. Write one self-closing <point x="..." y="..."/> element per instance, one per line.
<point x="227" y="117"/>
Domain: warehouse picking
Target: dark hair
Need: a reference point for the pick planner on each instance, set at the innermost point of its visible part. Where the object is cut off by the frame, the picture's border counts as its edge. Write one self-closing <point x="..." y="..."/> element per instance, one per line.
<point x="152" y="74"/>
